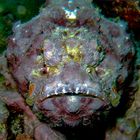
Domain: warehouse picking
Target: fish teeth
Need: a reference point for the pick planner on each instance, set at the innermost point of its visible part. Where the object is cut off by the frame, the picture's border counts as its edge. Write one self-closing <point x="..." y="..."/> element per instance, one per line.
<point x="56" y="93"/>
<point x="64" y="90"/>
<point x="77" y="90"/>
<point x="85" y="85"/>
<point x="87" y="92"/>
<point x="70" y="90"/>
<point x="47" y="95"/>
<point x="60" y="84"/>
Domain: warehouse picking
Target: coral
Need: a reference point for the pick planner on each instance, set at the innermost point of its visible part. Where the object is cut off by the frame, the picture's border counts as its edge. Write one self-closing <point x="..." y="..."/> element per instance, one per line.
<point x="16" y="125"/>
<point x="129" y="10"/>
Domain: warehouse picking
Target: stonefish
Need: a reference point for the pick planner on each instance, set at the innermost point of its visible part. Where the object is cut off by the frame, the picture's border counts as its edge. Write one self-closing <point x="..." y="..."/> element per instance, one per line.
<point x="68" y="67"/>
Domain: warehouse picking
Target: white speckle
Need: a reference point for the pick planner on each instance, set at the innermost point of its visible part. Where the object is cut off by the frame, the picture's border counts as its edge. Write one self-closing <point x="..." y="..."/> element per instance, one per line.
<point x="70" y="90"/>
<point x="72" y="99"/>
<point x="70" y="14"/>
<point x="14" y="39"/>
<point x="95" y="94"/>
<point x="60" y="84"/>
<point x="87" y="92"/>
<point x="70" y="1"/>
<point x="85" y="85"/>
<point x="18" y="26"/>
<point x="48" y="54"/>
<point x="119" y="46"/>
<point x="77" y="90"/>
<point x="103" y="98"/>
<point x="47" y="95"/>
<point x="64" y="90"/>
<point x="56" y="93"/>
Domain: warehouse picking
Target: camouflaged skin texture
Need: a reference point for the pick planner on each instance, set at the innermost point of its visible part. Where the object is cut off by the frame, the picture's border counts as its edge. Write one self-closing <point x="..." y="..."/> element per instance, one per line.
<point x="70" y="66"/>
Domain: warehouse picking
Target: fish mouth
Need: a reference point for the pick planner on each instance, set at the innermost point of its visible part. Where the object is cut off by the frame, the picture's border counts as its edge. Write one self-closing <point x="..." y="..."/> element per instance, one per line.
<point x="83" y="91"/>
<point x="71" y="104"/>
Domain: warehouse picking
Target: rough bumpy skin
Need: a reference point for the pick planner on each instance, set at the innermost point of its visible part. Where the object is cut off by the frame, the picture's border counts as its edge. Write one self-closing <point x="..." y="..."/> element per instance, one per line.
<point x="70" y="64"/>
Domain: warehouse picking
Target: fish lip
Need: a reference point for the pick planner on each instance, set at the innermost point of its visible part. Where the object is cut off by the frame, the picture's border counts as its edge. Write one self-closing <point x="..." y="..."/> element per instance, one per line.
<point x="67" y="91"/>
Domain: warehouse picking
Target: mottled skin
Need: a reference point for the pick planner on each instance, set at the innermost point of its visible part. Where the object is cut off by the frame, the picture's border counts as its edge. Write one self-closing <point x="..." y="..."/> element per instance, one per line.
<point x="69" y="64"/>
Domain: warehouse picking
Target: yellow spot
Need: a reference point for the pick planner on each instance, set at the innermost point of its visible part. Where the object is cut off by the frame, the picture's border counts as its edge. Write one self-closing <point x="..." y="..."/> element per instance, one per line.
<point x="30" y="100"/>
<point x="39" y="59"/>
<point x="53" y="69"/>
<point x="88" y="70"/>
<point x="114" y="99"/>
<point x="35" y="73"/>
<point x="108" y="72"/>
<point x="68" y="34"/>
<point x="74" y="53"/>
<point x="114" y="89"/>
<point x="32" y="87"/>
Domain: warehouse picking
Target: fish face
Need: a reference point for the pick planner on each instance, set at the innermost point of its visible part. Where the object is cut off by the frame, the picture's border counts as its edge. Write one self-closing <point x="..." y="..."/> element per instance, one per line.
<point x="73" y="70"/>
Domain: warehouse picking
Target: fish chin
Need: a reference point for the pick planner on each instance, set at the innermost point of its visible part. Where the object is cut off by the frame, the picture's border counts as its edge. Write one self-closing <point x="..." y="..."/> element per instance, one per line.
<point x="70" y="109"/>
